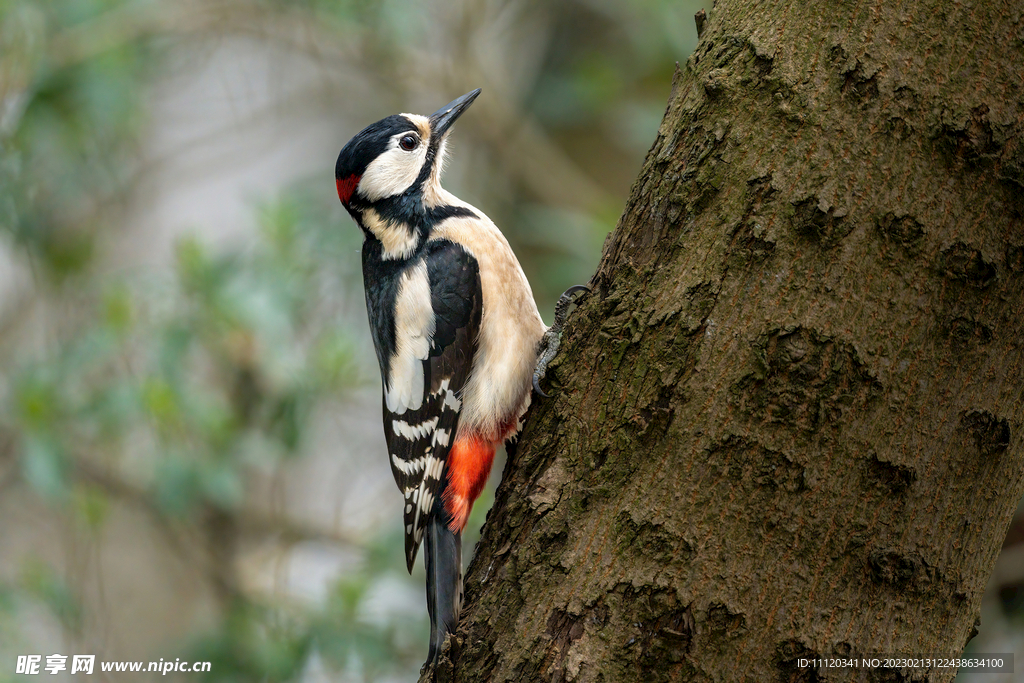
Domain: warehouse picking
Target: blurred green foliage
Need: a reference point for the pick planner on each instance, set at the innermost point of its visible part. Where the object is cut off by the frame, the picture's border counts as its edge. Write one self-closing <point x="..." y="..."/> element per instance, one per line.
<point x="68" y="126"/>
<point x="166" y="386"/>
<point x="267" y="642"/>
<point x="42" y="583"/>
<point x="215" y="367"/>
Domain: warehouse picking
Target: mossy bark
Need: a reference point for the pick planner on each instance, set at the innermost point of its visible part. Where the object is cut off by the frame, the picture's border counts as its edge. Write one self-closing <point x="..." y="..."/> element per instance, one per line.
<point x="788" y="420"/>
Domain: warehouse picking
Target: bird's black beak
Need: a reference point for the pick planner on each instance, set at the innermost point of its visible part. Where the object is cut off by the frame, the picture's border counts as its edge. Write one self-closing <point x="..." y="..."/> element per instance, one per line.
<point x="444" y="118"/>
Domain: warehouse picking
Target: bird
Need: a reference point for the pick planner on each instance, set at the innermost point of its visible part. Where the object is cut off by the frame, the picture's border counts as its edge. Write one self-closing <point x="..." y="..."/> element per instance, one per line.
<point x="457" y="333"/>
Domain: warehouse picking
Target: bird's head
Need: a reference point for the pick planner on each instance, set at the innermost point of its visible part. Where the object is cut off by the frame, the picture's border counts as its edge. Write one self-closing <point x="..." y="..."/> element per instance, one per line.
<point x="397" y="160"/>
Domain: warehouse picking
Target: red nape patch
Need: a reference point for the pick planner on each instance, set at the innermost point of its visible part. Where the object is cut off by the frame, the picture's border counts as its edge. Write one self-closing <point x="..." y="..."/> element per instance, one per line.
<point x="469" y="463"/>
<point x="346" y="186"/>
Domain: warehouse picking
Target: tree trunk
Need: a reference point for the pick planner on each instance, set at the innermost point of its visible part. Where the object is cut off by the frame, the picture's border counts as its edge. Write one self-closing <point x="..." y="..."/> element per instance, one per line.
<point x="787" y="422"/>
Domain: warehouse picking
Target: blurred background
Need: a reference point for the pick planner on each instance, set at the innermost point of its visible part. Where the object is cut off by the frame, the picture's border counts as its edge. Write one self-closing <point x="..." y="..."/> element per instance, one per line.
<point x="191" y="454"/>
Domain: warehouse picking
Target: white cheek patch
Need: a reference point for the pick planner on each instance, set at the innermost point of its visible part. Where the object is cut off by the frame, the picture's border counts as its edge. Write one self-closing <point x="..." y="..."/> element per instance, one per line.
<point x="414" y="327"/>
<point x="394" y="171"/>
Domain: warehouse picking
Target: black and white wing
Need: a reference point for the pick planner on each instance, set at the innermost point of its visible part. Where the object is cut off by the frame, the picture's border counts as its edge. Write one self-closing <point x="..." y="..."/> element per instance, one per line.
<point x="437" y="317"/>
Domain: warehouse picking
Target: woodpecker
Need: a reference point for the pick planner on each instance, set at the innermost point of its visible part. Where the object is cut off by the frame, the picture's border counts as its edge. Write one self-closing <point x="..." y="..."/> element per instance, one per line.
<point x="458" y="336"/>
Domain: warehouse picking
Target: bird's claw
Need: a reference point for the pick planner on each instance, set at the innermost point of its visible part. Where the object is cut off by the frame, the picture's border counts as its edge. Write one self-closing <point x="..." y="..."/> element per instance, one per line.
<point x="552" y="338"/>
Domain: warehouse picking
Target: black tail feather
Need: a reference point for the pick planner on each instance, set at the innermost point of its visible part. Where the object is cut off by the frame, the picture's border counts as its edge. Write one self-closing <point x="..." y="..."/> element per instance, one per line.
<point x="443" y="558"/>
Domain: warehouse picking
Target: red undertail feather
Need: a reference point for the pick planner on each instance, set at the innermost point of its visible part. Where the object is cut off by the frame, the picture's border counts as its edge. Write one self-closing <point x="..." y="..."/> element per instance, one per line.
<point x="469" y="463"/>
<point x="346" y="186"/>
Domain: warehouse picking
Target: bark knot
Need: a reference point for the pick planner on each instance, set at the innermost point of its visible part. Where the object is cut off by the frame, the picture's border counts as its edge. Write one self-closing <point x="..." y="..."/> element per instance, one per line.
<point x="990" y="433"/>
<point x="803" y="379"/>
<point x="892" y="477"/>
<point x="904" y="231"/>
<point x="963" y="263"/>
<point x="724" y="622"/>
<point x="965" y="333"/>
<point x="666" y="636"/>
<point x="828" y="227"/>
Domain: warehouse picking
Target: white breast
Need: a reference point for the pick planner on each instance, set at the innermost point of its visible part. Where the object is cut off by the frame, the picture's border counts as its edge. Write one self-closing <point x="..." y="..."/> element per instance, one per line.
<point x="498" y="390"/>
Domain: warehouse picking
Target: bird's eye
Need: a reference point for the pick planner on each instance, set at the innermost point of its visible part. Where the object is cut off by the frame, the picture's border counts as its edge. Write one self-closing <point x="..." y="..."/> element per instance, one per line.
<point x="408" y="143"/>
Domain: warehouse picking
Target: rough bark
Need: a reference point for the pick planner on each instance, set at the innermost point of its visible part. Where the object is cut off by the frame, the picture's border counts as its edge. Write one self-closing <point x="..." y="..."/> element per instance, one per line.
<point x="787" y="422"/>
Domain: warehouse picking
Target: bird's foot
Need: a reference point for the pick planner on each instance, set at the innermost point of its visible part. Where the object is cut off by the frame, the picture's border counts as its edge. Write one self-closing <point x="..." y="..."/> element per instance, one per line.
<point x="551" y="340"/>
